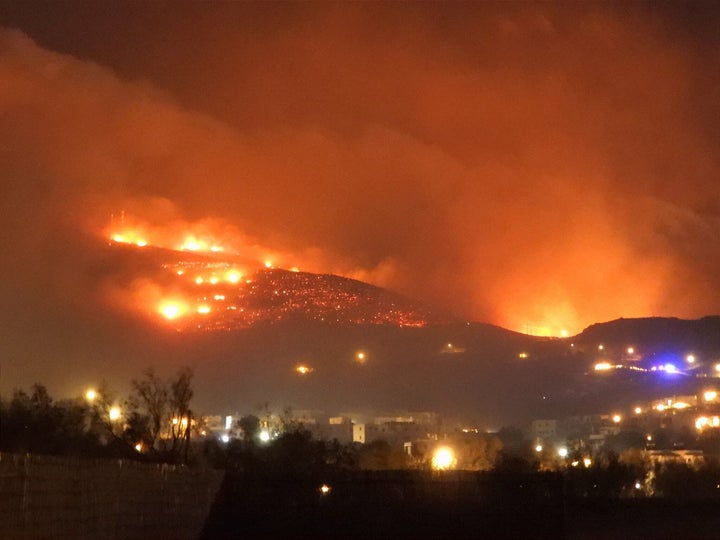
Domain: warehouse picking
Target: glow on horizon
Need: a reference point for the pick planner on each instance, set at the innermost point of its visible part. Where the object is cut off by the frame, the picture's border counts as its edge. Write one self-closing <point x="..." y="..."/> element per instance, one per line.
<point x="542" y="330"/>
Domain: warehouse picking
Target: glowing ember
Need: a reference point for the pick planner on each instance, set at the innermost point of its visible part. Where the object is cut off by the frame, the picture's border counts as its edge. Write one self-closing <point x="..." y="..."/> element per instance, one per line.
<point x="171" y="310"/>
<point x="191" y="244"/>
<point x="603" y="366"/>
<point x="129" y="237"/>
<point x="233" y="276"/>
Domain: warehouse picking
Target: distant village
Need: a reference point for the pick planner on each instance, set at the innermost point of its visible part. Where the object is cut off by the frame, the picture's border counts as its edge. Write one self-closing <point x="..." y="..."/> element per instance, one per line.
<point x="672" y="428"/>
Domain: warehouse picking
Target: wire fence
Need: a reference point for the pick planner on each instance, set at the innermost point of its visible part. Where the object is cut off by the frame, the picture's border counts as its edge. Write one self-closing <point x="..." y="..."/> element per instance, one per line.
<point x="68" y="498"/>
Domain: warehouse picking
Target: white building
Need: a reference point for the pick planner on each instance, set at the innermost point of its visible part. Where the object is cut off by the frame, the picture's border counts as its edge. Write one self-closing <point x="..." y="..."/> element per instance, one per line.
<point x="544" y="430"/>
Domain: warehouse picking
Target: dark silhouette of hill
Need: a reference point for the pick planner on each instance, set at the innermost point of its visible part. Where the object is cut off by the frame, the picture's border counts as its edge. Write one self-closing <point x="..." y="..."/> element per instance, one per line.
<point x="656" y="333"/>
<point x="469" y="370"/>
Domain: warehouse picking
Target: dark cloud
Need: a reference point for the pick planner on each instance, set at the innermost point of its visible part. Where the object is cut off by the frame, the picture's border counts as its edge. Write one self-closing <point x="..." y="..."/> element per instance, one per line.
<point x="543" y="165"/>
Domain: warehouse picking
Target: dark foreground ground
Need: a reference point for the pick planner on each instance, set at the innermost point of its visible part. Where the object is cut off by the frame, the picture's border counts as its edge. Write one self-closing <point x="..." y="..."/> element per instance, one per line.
<point x="413" y="505"/>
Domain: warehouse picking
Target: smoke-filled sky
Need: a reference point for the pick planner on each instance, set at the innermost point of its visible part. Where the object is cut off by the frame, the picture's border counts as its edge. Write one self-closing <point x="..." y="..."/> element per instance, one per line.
<point x="531" y="165"/>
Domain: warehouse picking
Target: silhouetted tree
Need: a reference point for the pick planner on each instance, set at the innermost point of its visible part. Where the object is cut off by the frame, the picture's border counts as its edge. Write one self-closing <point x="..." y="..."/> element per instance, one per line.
<point x="179" y="397"/>
<point x="662" y="439"/>
<point x="510" y="463"/>
<point x="709" y="443"/>
<point x="379" y="455"/>
<point x="475" y="452"/>
<point x="625" y="440"/>
<point x="150" y="395"/>
<point x="341" y="456"/>
<point x="34" y="423"/>
<point x="676" y="481"/>
<point x="137" y="430"/>
<point x="100" y="422"/>
<point x="250" y="425"/>
<point x="514" y="442"/>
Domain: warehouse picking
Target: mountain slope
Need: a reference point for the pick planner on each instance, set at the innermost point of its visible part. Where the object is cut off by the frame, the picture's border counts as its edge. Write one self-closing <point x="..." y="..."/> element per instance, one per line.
<point x="214" y="292"/>
<point x="259" y="328"/>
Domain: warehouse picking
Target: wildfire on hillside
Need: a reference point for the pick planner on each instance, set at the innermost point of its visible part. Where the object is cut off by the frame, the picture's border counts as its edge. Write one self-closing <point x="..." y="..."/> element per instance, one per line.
<point x="220" y="282"/>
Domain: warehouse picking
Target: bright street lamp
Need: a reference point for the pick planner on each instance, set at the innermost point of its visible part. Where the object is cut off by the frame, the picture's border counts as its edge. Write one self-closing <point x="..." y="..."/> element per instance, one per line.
<point x="115" y="413"/>
<point x="443" y="459"/>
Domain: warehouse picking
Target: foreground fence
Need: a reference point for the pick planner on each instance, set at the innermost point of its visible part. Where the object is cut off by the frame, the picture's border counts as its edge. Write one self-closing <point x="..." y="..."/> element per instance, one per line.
<point x="49" y="497"/>
<point x="357" y="505"/>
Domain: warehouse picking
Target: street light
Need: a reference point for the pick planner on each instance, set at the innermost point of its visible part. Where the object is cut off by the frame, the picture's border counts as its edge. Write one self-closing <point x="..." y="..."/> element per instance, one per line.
<point x="90" y="395"/>
<point x="115" y="413"/>
<point x="303" y="369"/>
<point x="443" y="459"/>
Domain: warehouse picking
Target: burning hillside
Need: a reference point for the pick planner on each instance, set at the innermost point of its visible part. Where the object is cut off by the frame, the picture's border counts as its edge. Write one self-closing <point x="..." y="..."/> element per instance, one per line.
<point x="203" y="284"/>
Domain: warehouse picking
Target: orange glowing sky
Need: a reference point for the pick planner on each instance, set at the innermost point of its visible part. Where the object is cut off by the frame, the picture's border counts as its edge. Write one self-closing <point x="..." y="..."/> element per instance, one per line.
<point x="540" y="167"/>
